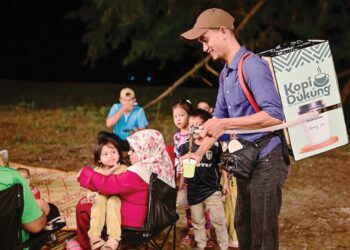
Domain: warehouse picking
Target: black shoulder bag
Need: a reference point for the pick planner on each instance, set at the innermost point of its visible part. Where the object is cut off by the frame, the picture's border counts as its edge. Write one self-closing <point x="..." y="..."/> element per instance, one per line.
<point x="242" y="162"/>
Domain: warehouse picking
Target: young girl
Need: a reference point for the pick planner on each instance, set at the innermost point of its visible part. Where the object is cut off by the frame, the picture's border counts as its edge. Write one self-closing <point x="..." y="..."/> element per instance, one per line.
<point x="147" y="154"/>
<point x="181" y="111"/>
<point x="106" y="209"/>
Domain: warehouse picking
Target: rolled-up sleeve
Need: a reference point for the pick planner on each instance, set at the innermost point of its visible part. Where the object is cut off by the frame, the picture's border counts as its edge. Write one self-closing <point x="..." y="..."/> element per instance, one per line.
<point x="220" y="110"/>
<point x="260" y="82"/>
<point x="141" y="119"/>
<point x="114" y="109"/>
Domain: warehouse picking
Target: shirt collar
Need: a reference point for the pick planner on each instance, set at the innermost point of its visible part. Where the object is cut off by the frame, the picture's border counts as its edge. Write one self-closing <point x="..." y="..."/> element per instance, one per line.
<point x="234" y="64"/>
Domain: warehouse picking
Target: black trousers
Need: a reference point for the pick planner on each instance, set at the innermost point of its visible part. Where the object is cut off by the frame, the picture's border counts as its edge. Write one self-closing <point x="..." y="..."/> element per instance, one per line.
<point x="259" y="202"/>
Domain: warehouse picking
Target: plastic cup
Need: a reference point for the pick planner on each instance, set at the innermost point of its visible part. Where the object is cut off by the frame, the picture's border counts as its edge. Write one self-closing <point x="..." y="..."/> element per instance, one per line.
<point x="189" y="166"/>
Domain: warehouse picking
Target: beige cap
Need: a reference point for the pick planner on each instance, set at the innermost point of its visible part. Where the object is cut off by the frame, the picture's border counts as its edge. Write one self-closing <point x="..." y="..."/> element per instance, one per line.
<point x="209" y="19"/>
<point x="127" y="92"/>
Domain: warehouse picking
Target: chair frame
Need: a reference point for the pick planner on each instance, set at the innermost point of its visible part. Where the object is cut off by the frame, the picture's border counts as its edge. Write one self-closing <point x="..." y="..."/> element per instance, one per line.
<point x="145" y="235"/>
<point x="38" y="237"/>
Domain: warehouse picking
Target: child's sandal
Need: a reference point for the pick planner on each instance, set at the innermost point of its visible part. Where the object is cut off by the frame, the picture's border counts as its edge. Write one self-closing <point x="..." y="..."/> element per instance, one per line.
<point x="96" y="243"/>
<point x="111" y="244"/>
<point x="187" y="240"/>
<point x="73" y="245"/>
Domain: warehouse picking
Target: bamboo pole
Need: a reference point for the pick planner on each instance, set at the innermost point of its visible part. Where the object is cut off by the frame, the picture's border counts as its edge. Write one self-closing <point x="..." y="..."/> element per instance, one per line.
<point x="211" y="70"/>
<point x="206" y="81"/>
<point x="202" y="63"/>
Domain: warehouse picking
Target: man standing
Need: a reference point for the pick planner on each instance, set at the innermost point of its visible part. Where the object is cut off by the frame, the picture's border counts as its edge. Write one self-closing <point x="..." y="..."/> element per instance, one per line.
<point x="127" y="117"/>
<point x="259" y="197"/>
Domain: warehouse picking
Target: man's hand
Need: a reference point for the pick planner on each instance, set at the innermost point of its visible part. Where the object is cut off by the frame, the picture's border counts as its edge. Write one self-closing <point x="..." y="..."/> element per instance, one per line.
<point x="127" y="107"/>
<point x="213" y="128"/>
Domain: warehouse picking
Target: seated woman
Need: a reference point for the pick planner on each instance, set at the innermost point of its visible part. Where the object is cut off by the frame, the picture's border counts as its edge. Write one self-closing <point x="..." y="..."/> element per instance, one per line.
<point x="148" y="155"/>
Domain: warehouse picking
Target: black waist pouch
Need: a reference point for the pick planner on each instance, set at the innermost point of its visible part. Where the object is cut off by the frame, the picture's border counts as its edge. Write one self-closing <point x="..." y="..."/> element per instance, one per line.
<point x="241" y="163"/>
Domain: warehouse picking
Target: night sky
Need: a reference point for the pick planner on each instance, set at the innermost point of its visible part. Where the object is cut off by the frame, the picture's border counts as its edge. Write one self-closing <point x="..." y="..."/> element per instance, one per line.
<point x="38" y="42"/>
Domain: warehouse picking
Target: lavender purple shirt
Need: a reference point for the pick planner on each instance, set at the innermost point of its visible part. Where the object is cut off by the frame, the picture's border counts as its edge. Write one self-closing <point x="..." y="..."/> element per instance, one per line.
<point x="232" y="102"/>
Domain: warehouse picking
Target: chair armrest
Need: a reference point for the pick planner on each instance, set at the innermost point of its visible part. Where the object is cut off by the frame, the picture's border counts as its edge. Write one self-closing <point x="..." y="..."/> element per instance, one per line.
<point x="36" y="238"/>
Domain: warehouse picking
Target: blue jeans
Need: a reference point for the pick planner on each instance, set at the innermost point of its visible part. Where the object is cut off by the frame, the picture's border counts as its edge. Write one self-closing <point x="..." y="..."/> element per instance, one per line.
<point x="259" y="202"/>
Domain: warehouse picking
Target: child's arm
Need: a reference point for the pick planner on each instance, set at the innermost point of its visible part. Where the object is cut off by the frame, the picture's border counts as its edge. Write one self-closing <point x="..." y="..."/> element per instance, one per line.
<point x="181" y="181"/>
<point x="114" y="168"/>
<point x="44" y="206"/>
<point x="36" y="192"/>
<point x="179" y="169"/>
<point x="225" y="189"/>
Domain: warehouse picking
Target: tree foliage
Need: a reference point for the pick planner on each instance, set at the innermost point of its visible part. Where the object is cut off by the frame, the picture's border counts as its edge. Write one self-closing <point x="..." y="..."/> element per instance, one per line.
<point x="150" y="29"/>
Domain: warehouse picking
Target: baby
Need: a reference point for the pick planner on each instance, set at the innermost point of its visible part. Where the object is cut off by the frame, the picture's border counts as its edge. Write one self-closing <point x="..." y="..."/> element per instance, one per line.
<point x="42" y="204"/>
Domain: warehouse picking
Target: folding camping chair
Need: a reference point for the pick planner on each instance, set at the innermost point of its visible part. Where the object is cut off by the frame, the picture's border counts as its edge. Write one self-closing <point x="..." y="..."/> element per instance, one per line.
<point x="11" y="208"/>
<point x="161" y="215"/>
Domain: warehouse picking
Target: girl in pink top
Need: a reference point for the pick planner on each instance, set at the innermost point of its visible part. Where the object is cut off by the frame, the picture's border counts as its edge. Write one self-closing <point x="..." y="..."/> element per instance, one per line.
<point x="181" y="113"/>
<point x="147" y="154"/>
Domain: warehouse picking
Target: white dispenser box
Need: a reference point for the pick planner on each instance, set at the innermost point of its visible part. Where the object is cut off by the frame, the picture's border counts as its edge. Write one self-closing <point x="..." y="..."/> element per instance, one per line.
<point x="305" y="77"/>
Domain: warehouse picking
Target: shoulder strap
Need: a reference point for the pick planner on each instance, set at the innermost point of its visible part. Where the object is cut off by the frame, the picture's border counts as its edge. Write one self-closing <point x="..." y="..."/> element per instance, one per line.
<point x="243" y="84"/>
<point x="241" y="78"/>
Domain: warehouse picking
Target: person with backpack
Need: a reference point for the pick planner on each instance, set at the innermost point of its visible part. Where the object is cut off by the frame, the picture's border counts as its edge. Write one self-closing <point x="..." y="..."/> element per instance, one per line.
<point x="260" y="193"/>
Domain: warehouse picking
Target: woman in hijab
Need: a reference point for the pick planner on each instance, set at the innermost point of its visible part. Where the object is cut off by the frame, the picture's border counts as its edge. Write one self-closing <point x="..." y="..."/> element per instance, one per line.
<point x="148" y="155"/>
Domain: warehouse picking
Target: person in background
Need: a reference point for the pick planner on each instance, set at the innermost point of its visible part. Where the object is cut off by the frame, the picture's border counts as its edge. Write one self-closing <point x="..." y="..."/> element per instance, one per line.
<point x="126" y="117"/>
<point x="42" y="204"/>
<point x="204" y="189"/>
<point x="259" y="197"/>
<point x="229" y="200"/>
<point x="205" y="105"/>
<point x="33" y="219"/>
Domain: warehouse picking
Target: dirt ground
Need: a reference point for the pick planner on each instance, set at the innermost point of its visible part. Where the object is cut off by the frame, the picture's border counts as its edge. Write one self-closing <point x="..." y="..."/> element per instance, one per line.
<point x="316" y="201"/>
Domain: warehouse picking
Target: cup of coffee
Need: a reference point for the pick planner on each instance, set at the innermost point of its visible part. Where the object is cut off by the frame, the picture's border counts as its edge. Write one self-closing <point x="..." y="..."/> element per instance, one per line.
<point x="321" y="77"/>
<point x="189" y="167"/>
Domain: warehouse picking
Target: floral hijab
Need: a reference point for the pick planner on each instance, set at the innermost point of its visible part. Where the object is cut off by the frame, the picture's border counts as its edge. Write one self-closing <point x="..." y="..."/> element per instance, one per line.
<point x="148" y="145"/>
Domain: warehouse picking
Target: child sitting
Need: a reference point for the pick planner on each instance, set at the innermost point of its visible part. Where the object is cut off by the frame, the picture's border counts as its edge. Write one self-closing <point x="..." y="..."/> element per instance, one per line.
<point x="204" y="189"/>
<point x="106" y="210"/>
<point x="42" y="204"/>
